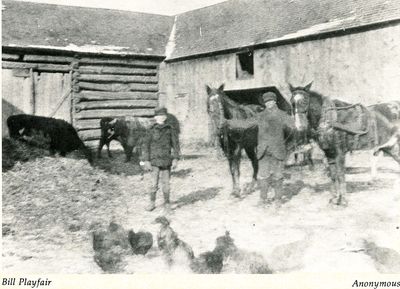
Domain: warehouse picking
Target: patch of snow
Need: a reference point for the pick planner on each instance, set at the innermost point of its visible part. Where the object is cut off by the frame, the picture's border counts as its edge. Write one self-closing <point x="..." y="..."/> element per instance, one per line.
<point x="109" y="49"/>
<point x="169" y="49"/>
<point x="331" y="25"/>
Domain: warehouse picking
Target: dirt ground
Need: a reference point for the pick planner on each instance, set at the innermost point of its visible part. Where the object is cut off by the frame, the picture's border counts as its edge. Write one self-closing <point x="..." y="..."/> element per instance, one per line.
<point x="50" y="206"/>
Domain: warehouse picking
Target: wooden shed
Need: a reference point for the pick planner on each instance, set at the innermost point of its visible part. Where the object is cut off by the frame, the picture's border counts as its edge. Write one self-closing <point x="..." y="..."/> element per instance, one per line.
<point x="80" y="64"/>
<point x="350" y="49"/>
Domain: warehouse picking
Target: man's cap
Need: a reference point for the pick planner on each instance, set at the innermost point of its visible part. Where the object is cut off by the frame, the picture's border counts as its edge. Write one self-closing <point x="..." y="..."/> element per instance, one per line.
<point x="268" y="96"/>
<point x="161" y="111"/>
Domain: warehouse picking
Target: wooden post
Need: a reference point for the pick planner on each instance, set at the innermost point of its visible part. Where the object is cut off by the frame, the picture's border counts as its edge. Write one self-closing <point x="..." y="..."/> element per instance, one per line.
<point x="33" y="88"/>
<point x="74" y="86"/>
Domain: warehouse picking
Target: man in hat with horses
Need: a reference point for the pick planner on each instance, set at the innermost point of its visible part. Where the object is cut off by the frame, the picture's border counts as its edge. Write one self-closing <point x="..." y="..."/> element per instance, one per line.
<point x="271" y="149"/>
<point x="160" y="152"/>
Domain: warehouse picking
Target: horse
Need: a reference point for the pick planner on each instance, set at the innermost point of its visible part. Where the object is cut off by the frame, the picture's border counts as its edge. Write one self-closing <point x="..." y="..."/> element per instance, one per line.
<point x="232" y="142"/>
<point x="340" y="127"/>
<point x="390" y="110"/>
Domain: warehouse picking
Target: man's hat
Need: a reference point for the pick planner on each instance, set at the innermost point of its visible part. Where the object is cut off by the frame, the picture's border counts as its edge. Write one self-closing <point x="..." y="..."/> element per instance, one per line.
<point x="268" y="96"/>
<point x="161" y="111"/>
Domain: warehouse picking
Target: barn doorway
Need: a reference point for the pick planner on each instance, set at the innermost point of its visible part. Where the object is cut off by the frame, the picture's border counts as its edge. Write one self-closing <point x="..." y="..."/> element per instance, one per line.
<point x="253" y="95"/>
<point x="32" y="92"/>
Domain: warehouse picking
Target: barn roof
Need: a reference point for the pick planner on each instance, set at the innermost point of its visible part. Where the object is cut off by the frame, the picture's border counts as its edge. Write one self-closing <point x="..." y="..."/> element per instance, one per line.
<point x="225" y="26"/>
<point x="245" y="23"/>
<point x="26" y="24"/>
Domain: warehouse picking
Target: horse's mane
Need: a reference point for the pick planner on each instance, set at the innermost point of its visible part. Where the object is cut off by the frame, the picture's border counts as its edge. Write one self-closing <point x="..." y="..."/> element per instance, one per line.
<point x="323" y="98"/>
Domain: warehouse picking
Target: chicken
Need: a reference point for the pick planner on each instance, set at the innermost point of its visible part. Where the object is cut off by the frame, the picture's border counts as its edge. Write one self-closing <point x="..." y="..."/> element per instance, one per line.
<point x="237" y="260"/>
<point x="386" y="260"/>
<point x="210" y="262"/>
<point x="110" y="246"/>
<point x="170" y="245"/>
<point x="141" y="242"/>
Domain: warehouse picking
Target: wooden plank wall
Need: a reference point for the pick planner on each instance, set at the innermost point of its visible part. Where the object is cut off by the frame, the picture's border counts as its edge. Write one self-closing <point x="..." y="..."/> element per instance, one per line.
<point x="50" y="88"/>
<point x="111" y="86"/>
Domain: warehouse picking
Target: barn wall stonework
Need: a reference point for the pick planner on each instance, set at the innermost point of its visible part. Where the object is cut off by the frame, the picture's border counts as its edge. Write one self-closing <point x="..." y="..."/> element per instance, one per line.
<point x="360" y="67"/>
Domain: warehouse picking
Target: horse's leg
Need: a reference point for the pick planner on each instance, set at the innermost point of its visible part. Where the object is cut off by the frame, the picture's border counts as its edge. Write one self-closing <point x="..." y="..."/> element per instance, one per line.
<point x="108" y="149"/>
<point x="341" y="164"/>
<point x="234" y="165"/>
<point x="251" y="153"/>
<point x="336" y="172"/>
<point x="374" y="164"/>
<point x="310" y="160"/>
<point x="333" y="174"/>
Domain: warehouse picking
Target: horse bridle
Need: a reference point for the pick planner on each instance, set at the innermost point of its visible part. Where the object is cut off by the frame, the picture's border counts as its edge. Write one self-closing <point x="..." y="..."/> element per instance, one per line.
<point x="217" y="98"/>
<point x="306" y="106"/>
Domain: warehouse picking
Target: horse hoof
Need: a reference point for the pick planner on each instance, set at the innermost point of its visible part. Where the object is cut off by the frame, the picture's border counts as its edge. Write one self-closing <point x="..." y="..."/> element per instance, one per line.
<point x="334" y="201"/>
<point x="235" y="195"/>
<point x="338" y="202"/>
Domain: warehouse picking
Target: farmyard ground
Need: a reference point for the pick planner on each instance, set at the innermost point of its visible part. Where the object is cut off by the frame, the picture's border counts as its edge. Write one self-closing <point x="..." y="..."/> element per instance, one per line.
<point x="50" y="205"/>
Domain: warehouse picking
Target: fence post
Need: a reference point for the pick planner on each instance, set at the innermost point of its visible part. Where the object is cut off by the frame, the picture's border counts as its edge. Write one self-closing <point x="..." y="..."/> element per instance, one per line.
<point x="74" y="86"/>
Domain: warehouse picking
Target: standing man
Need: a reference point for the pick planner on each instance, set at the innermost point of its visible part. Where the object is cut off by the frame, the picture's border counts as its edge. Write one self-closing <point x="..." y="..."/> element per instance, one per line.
<point x="271" y="149"/>
<point x="160" y="151"/>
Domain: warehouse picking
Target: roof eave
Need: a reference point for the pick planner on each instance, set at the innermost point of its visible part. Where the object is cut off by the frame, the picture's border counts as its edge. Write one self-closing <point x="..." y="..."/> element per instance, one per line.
<point x="280" y="42"/>
<point x="59" y="50"/>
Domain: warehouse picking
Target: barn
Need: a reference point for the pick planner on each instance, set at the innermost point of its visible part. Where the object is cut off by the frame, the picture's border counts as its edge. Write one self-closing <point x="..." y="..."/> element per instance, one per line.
<point x="349" y="49"/>
<point x="80" y="64"/>
<point x="65" y="216"/>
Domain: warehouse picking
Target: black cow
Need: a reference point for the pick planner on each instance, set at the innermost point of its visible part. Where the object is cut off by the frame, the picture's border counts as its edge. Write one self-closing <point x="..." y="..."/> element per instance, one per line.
<point x="128" y="133"/>
<point x="62" y="136"/>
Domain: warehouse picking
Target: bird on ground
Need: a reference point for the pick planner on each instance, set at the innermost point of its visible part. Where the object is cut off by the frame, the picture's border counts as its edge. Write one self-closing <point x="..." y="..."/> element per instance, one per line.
<point x="170" y="245"/>
<point x="141" y="242"/>
<point x="226" y="257"/>
<point x="210" y="262"/>
<point x="110" y="247"/>
<point x="239" y="260"/>
<point x="386" y="260"/>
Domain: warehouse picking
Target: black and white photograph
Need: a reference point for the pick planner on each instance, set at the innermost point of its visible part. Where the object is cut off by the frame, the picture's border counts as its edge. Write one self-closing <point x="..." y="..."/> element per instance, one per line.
<point x="200" y="137"/>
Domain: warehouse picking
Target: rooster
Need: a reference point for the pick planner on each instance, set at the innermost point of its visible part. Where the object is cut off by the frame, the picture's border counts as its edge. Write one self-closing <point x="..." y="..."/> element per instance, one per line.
<point x="230" y="258"/>
<point x="110" y="246"/>
<point x="170" y="245"/>
<point x="141" y="242"/>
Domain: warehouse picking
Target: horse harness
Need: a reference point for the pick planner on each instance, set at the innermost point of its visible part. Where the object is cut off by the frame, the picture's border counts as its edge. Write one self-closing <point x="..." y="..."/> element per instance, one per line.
<point x="330" y="124"/>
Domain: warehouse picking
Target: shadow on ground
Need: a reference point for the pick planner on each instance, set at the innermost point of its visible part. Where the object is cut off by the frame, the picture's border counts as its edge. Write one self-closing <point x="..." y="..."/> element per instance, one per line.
<point x="199" y="195"/>
<point x="355" y="187"/>
<point x="183" y="173"/>
<point x="293" y="189"/>
<point x="117" y="164"/>
<point x="192" y="157"/>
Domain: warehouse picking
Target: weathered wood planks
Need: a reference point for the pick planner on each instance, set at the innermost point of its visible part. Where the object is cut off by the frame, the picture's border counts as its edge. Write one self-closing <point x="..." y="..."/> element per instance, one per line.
<point x="99" y="113"/>
<point x="120" y="95"/>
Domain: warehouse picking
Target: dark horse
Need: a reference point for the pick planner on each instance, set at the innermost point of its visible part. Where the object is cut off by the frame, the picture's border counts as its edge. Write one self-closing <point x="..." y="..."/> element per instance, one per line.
<point x="233" y="141"/>
<point x="220" y="107"/>
<point x="340" y="127"/>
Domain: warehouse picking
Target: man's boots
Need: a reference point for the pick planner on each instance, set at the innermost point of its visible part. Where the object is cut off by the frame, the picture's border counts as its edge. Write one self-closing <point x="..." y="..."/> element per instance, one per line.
<point x="167" y="205"/>
<point x="264" y="188"/>
<point x="279" y="192"/>
<point x="152" y="204"/>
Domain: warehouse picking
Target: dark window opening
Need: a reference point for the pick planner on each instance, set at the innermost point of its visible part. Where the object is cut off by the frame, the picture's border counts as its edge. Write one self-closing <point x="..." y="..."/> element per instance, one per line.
<point x="244" y="65"/>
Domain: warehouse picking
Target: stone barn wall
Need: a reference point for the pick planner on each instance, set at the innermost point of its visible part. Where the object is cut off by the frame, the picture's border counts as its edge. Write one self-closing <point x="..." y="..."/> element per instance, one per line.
<point x="359" y="67"/>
